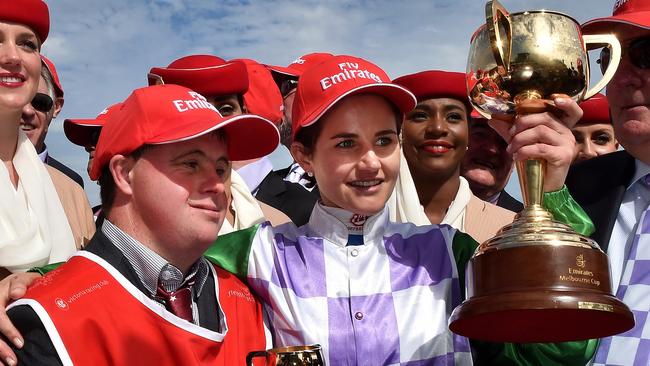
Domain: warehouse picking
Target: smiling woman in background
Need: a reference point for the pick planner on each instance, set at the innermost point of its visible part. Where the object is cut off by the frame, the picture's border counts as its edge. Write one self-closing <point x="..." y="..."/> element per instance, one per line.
<point x="430" y="189"/>
<point x="44" y="216"/>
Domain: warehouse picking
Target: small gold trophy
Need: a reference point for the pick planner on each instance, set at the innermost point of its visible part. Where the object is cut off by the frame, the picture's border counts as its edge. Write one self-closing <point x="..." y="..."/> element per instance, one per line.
<point x="289" y="356"/>
<point x="537" y="280"/>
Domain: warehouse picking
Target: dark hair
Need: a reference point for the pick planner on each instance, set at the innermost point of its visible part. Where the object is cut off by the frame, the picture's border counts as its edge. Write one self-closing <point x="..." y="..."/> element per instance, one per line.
<point x="307" y="136"/>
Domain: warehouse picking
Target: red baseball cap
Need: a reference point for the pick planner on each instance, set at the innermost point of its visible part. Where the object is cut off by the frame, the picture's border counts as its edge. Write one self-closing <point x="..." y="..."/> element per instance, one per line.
<point x="436" y="84"/>
<point x="32" y="13"/>
<point x="263" y="96"/>
<point x="322" y="87"/>
<point x="80" y="131"/>
<point x="630" y="12"/>
<point x="164" y="114"/>
<point x="206" y="74"/>
<point x="595" y="110"/>
<point x="302" y="63"/>
<point x="58" y="89"/>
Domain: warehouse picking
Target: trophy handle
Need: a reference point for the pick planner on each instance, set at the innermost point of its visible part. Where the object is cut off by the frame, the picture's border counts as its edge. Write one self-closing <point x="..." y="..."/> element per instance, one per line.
<point x="615" y="59"/>
<point x="251" y="355"/>
<point x="494" y="12"/>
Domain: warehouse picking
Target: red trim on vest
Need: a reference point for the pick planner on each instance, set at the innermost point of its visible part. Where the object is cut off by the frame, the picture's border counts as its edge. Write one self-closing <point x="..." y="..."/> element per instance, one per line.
<point x="101" y="323"/>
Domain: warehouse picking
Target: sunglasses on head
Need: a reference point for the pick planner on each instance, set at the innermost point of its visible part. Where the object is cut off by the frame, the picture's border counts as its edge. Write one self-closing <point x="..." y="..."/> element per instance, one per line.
<point x="638" y="52"/>
<point x="287" y="86"/>
<point x="42" y="102"/>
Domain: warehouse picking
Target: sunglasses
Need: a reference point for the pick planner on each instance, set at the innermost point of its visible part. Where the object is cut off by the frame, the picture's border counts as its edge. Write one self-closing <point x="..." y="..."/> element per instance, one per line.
<point x="287" y="86"/>
<point x="42" y="102"/>
<point x="638" y="51"/>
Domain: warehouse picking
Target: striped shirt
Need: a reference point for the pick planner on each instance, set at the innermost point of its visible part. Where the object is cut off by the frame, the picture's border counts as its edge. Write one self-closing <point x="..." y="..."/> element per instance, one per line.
<point x="152" y="269"/>
<point x="385" y="302"/>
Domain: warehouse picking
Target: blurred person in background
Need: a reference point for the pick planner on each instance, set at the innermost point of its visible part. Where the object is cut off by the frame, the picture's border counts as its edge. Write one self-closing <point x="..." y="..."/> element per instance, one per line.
<point x="37" y="116"/>
<point x="594" y="133"/>
<point x="487" y="165"/>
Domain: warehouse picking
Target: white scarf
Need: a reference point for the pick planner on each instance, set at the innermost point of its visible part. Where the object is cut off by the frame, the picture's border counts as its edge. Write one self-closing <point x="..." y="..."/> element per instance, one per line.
<point x="247" y="210"/>
<point x="404" y="203"/>
<point x="34" y="229"/>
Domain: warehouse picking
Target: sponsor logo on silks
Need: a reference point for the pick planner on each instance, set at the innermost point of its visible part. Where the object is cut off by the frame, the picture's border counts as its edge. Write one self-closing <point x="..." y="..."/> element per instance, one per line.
<point x="103" y="112"/>
<point x="61" y="303"/>
<point x="619" y="3"/>
<point x="358" y="220"/>
<point x="199" y="102"/>
<point x="349" y="71"/>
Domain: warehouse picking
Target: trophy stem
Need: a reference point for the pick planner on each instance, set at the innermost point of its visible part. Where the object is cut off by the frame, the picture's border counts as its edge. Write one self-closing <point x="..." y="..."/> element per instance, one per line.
<point x="531" y="180"/>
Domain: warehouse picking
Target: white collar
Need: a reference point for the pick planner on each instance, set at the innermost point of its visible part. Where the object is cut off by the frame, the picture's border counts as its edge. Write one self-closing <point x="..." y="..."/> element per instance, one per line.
<point x="325" y="225"/>
<point x="641" y="170"/>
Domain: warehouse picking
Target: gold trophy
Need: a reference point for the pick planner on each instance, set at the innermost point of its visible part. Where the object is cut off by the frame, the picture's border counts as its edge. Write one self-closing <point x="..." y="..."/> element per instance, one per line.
<point x="289" y="356"/>
<point x="537" y="280"/>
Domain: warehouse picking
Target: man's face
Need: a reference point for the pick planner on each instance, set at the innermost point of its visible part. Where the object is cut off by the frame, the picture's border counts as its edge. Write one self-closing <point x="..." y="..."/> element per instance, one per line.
<point x="628" y="94"/>
<point x="487" y="164"/>
<point x="178" y="192"/>
<point x="285" y="126"/>
<point x="36" y="123"/>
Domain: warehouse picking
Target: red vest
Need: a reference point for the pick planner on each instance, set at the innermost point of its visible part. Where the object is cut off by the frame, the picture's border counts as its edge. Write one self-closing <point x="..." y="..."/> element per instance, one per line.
<point x="95" y="316"/>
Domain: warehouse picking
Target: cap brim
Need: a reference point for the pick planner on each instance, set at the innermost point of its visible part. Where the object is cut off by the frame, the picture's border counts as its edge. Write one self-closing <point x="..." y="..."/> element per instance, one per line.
<point x="401" y="97"/>
<point x="249" y="136"/>
<point x="639" y="19"/>
<point x="284" y="71"/>
<point x="79" y="131"/>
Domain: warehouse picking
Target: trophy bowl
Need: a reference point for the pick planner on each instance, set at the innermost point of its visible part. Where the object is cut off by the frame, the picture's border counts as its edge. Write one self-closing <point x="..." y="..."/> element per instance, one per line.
<point x="537" y="280"/>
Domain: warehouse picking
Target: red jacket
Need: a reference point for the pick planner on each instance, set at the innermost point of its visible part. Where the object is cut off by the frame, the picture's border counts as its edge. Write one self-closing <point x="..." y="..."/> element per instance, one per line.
<point x="95" y="316"/>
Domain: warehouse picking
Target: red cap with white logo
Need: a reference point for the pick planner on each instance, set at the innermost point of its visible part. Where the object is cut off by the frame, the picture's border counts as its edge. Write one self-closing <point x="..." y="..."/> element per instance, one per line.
<point x="322" y="87"/>
<point x="164" y="114"/>
<point x="301" y="64"/>
<point x="80" y="131"/>
<point x="630" y="12"/>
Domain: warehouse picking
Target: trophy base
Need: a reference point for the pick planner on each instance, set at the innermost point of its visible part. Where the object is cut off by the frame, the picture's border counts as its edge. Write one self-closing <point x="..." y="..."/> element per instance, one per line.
<point x="539" y="281"/>
<point x="541" y="316"/>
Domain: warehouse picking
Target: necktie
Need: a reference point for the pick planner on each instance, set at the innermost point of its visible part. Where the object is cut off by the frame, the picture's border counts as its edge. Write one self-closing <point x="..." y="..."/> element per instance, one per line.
<point x="633" y="346"/>
<point x="178" y="302"/>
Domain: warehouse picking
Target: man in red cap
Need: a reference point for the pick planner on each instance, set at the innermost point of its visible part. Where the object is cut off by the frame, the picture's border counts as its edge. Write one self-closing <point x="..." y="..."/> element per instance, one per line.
<point x="594" y="132"/>
<point x="232" y="88"/>
<point x="287" y="80"/>
<point x="263" y="98"/>
<point x="85" y="132"/>
<point x="37" y="116"/>
<point x="614" y="189"/>
<point x="142" y="292"/>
